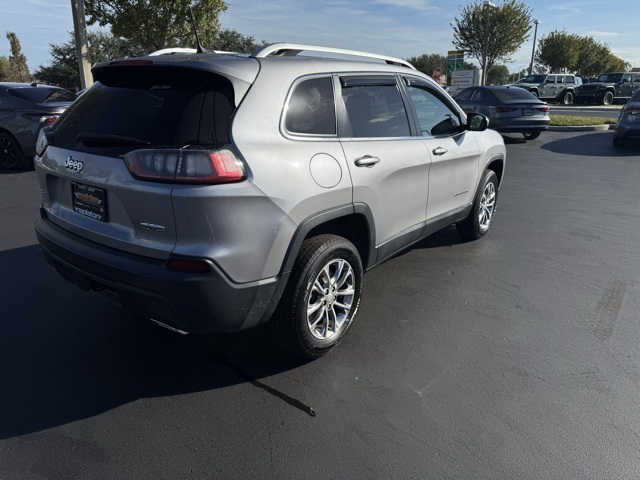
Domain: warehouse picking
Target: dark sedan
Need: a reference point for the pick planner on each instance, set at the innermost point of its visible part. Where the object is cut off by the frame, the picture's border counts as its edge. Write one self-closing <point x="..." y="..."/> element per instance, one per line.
<point x="509" y="109"/>
<point x="24" y="109"/>
<point x="628" y="123"/>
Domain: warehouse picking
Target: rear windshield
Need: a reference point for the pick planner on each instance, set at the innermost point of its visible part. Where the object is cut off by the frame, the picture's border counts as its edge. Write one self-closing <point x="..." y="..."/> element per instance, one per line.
<point x="158" y="108"/>
<point x="509" y="94"/>
<point x="42" y="94"/>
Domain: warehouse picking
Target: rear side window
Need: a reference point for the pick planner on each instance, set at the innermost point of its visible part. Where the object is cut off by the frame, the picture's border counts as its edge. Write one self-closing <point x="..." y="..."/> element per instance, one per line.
<point x="166" y="109"/>
<point x="311" y="109"/>
<point x="43" y="94"/>
<point x="376" y="111"/>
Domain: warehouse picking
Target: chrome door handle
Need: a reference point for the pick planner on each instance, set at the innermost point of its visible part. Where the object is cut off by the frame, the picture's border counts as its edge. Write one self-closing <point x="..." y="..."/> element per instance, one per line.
<point x="366" y="161"/>
<point x="440" y="151"/>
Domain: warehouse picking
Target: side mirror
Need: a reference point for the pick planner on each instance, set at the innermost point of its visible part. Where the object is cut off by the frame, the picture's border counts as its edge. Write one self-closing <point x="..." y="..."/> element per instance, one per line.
<point x="476" y="122"/>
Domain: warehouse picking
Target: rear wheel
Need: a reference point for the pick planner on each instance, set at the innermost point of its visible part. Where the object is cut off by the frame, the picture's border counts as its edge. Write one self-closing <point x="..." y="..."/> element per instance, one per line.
<point x="11" y="155"/>
<point x="607" y="98"/>
<point x="322" y="297"/>
<point x="478" y="221"/>
<point x="567" y="98"/>
<point x="531" y="135"/>
<point x="535" y="93"/>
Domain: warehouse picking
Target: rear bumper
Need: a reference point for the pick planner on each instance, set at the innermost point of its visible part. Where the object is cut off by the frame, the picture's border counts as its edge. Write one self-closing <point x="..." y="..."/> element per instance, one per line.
<point x="520" y="128"/>
<point x="194" y="303"/>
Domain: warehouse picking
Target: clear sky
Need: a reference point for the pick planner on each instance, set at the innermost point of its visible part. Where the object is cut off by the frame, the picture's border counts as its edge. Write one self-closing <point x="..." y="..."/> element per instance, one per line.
<point x="400" y="28"/>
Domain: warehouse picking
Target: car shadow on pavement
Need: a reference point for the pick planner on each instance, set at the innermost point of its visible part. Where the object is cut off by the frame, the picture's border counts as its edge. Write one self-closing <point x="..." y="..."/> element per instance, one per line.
<point x="593" y="144"/>
<point x="66" y="355"/>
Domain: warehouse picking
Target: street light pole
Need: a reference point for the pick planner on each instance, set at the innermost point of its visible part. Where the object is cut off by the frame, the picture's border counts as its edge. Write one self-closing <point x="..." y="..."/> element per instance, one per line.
<point x="485" y="6"/>
<point x="533" y="50"/>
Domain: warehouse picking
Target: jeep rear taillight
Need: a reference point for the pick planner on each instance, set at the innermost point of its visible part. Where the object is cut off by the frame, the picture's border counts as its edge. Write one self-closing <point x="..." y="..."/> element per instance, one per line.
<point x="186" y="166"/>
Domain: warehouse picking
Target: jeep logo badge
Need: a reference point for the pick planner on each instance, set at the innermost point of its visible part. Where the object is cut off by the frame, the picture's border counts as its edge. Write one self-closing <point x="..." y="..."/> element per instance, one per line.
<point x="72" y="164"/>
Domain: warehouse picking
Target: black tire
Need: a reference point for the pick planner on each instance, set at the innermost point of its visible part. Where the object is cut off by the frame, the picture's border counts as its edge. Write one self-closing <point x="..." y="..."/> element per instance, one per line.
<point x="478" y="221"/>
<point x="324" y="261"/>
<point x="11" y="156"/>
<point x="567" y="98"/>
<point x="534" y="92"/>
<point x="607" y="98"/>
<point x="531" y="135"/>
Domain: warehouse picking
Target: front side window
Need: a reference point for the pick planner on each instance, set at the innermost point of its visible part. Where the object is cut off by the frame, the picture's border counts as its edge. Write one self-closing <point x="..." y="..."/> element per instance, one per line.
<point x="375" y="110"/>
<point x="311" y="109"/>
<point x="434" y="116"/>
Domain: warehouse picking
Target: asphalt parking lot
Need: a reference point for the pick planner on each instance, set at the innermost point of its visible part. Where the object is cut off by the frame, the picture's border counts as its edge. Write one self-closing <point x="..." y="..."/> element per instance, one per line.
<point x="516" y="356"/>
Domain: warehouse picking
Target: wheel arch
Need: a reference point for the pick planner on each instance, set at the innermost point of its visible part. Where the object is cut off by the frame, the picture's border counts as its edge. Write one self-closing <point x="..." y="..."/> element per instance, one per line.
<point x="353" y="222"/>
<point x="497" y="164"/>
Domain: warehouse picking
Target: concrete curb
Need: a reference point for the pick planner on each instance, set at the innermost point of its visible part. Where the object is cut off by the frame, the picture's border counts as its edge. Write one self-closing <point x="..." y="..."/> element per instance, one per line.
<point x="583" y="128"/>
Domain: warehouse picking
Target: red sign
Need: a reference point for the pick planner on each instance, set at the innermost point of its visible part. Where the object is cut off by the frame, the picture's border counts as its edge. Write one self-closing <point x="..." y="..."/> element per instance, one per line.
<point x="436" y="73"/>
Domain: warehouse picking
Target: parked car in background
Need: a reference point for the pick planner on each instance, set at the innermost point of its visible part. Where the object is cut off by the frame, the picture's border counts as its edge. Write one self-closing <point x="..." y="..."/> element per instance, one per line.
<point x="628" y="123"/>
<point x="609" y="88"/>
<point x="558" y="87"/>
<point x="215" y="192"/>
<point x="24" y="109"/>
<point x="509" y="109"/>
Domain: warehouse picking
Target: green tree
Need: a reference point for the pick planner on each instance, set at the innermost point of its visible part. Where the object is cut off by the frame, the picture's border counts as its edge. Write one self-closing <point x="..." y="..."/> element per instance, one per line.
<point x="17" y="62"/>
<point x="492" y="33"/>
<point x="561" y="51"/>
<point x="158" y="24"/>
<point x="427" y="63"/>
<point x="4" y="69"/>
<point x="558" y="51"/>
<point x="63" y="69"/>
<point x="229" y="40"/>
<point x="498" y="75"/>
<point x="595" y="58"/>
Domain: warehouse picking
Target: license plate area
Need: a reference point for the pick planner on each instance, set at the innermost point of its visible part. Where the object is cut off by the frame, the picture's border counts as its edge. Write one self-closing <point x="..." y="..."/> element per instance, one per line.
<point x="89" y="201"/>
<point x="527" y="111"/>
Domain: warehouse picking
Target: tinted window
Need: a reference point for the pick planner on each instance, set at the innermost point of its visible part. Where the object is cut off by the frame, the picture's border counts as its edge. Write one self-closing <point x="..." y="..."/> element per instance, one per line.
<point x="535" y="79"/>
<point x="311" y="109"/>
<point x="508" y="94"/>
<point x="434" y="116"/>
<point x="376" y="111"/>
<point x="157" y="113"/>
<point x="43" y="94"/>
<point x="610" y="77"/>
<point x="479" y="95"/>
<point x="465" y="94"/>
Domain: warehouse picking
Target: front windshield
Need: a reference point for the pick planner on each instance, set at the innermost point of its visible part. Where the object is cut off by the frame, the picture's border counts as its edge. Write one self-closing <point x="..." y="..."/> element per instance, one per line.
<point x="535" y="79"/>
<point x="610" y="77"/>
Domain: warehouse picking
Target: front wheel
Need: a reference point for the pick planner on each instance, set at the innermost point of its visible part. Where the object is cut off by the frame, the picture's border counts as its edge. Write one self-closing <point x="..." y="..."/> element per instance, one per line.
<point x="531" y="135"/>
<point x="321" y="298"/>
<point x="478" y="221"/>
<point x="607" y="98"/>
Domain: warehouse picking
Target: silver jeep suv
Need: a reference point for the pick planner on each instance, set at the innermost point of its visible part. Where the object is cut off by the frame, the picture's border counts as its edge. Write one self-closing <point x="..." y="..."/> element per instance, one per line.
<point x="214" y="192"/>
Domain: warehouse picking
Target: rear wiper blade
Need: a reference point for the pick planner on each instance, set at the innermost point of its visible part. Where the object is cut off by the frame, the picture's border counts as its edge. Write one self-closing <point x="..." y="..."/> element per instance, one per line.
<point x="105" y="139"/>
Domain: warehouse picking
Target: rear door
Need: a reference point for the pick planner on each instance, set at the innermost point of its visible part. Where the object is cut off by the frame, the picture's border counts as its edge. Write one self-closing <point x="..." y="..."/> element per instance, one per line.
<point x="389" y="167"/>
